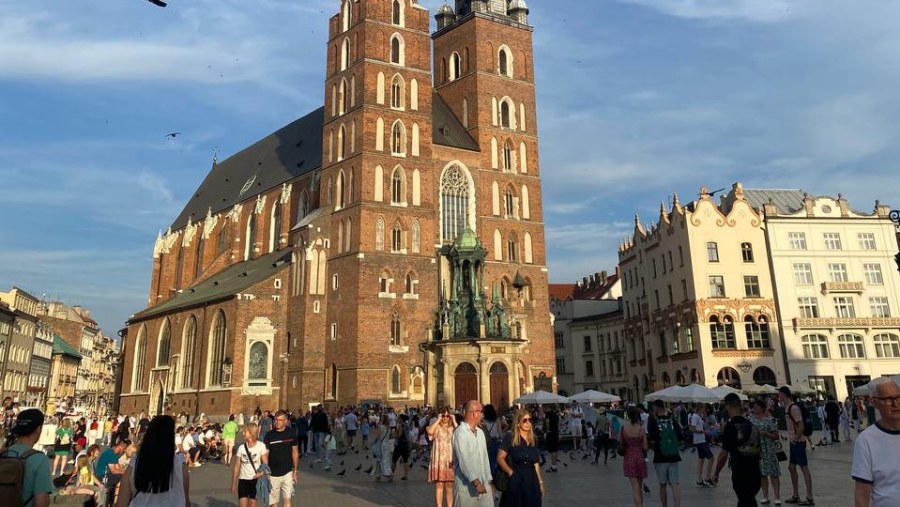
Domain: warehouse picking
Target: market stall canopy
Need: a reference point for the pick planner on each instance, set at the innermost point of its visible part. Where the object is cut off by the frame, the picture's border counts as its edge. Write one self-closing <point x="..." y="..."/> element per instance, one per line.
<point x="724" y="390"/>
<point x="803" y="390"/>
<point x="760" y="389"/>
<point x="694" y="393"/>
<point x="592" y="396"/>
<point x="540" y="398"/>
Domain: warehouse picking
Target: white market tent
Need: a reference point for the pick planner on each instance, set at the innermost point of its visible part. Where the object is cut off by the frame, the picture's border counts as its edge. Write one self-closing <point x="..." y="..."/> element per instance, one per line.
<point x="694" y="393"/>
<point x="725" y="390"/>
<point x="760" y="389"/>
<point x="592" y="396"/>
<point x="540" y="398"/>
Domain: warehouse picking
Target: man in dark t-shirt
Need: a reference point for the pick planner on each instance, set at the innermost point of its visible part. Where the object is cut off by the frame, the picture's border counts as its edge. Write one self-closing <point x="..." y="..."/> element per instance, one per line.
<point x="552" y="437"/>
<point x="283" y="457"/>
<point x="740" y="442"/>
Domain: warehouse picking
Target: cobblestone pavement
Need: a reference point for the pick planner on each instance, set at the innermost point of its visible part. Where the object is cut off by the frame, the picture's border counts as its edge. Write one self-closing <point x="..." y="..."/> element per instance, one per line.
<point x="573" y="484"/>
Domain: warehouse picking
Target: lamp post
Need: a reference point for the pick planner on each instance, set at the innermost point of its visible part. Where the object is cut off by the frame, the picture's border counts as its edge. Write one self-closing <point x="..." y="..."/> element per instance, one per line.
<point x="894" y="215"/>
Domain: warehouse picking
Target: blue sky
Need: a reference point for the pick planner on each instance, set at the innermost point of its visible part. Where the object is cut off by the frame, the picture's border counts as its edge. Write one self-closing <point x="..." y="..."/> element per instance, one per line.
<point x="637" y="99"/>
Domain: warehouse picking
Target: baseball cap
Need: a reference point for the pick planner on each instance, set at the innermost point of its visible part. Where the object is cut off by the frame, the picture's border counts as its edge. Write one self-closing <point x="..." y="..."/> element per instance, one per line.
<point x="27" y="421"/>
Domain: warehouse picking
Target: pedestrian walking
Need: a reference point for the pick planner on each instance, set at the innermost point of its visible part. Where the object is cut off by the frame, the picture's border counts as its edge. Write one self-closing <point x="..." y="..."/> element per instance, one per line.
<point x="282" y="446"/>
<point x="301" y="426"/>
<point x="633" y="443"/>
<point x="833" y="419"/>
<point x="493" y="429"/>
<point x="519" y="458"/>
<point x="601" y="436"/>
<point x="740" y="447"/>
<point x="64" y="439"/>
<point x="472" y="469"/>
<point x="229" y="433"/>
<point x="799" y="428"/>
<point x="551" y="438"/>
<point x="440" y="466"/>
<point x="22" y="434"/>
<point x="770" y="470"/>
<point x="249" y="457"/>
<point x="401" y="447"/>
<point x="663" y="431"/>
<point x="875" y="472"/>
<point x="156" y="475"/>
<point x="704" y="454"/>
<point x="351" y="424"/>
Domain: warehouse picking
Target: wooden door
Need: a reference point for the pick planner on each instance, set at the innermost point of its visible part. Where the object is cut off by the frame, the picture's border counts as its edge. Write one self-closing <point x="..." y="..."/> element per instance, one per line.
<point x="499" y="387"/>
<point x="465" y="382"/>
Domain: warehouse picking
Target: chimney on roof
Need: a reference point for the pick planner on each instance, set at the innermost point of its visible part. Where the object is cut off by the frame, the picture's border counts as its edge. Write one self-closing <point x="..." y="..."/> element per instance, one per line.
<point x="584" y="282"/>
<point x="603" y="277"/>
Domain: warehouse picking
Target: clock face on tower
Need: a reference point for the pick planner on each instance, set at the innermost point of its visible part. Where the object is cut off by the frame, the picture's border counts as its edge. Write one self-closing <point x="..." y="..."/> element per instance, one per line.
<point x="247" y="185"/>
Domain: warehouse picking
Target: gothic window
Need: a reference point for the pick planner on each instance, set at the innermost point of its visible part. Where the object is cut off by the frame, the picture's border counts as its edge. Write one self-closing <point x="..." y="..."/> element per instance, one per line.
<point x="379" y="134"/>
<point x="507" y="156"/>
<point x="345" y="54"/>
<point x="529" y="255"/>
<point x="340" y="238"/>
<point x="416" y="237"/>
<point x="187" y="353"/>
<point x="347" y="237"/>
<point x="346" y="15"/>
<point x="414" y="95"/>
<point x="303" y="205"/>
<point x="505" y="115"/>
<point x="512" y="248"/>
<point x="396" y="331"/>
<point x="395" y="380"/>
<point x="165" y="338"/>
<point x="379" y="91"/>
<point x="396" y="238"/>
<point x="416" y="188"/>
<point x="526" y="207"/>
<point x="217" y="350"/>
<point x="342" y="143"/>
<point x="412" y="285"/>
<point x="379" y="234"/>
<point x="398" y="139"/>
<point x="198" y="266"/>
<point x="275" y="232"/>
<point x="398" y="88"/>
<point x="379" y="183"/>
<point x="339" y="192"/>
<point x="504" y="58"/>
<point x="398" y="186"/>
<point x="251" y="236"/>
<point x="179" y="266"/>
<point x="455" y="66"/>
<point x="509" y="203"/>
<point x="139" y="381"/>
<point x="384" y="282"/>
<point x="342" y="97"/>
<point x="221" y="240"/>
<point x="397" y="13"/>
<point x="397" y="49"/>
<point x="456" y="193"/>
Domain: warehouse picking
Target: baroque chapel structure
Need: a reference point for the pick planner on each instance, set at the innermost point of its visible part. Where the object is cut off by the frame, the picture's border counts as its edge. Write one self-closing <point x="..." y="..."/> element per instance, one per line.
<point x="385" y="248"/>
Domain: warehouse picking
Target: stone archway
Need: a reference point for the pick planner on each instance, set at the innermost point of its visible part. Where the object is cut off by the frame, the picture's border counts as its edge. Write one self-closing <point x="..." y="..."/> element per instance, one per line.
<point x="499" y="386"/>
<point x="465" y="383"/>
<point x="157" y="398"/>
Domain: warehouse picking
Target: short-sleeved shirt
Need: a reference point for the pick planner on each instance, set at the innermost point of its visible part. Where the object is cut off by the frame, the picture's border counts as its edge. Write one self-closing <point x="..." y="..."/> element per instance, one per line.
<point x="700" y="426"/>
<point x="107" y="457"/>
<point x="875" y="462"/>
<point x="654" y="435"/>
<point x="350" y="421"/>
<point x="280" y="444"/>
<point x="37" y="472"/>
<point x="229" y="430"/>
<point x="736" y="433"/>
<point x="256" y="451"/>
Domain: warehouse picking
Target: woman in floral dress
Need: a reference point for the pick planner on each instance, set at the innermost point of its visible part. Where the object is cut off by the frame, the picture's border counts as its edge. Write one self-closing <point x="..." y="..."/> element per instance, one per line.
<point x="634" y="441"/>
<point x="768" y="458"/>
<point x="440" y="468"/>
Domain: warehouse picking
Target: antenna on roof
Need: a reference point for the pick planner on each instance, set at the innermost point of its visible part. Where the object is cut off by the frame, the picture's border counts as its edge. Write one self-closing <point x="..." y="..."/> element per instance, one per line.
<point x="215" y="155"/>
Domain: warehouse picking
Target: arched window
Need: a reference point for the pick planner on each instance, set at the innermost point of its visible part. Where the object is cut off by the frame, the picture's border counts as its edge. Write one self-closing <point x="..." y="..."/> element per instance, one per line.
<point x="198" y="265"/>
<point x="412" y="284"/>
<point x="679" y="378"/>
<point x="396" y="330"/>
<point x="251" y="236"/>
<point x="523" y="157"/>
<point x="342" y="143"/>
<point x="188" y="349"/>
<point x="340" y="238"/>
<point x="456" y="194"/>
<point x="498" y="245"/>
<point x="179" y="266"/>
<point x="398" y="89"/>
<point x="512" y="247"/>
<point x="504" y="59"/>
<point x="379" y="183"/>
<point x="398" y="186"/>
<point x="887" y="345"/>
<point x="851" y="346"/>
<point x="165" y="339"/>
<point x="303" y="205"/>
<point x="395" y="380"/>
<point x="764" y="375"/>
<point x="221" y="240"/>
<point x="523" y="201"/>
<point x="342" y="97"/>
<point x="217" y="350"/>
<point x="258" y="364"/>
<point x="722" y="333"/>
<point x="346" y="15"/>
<point x="379" y="234"/>
<point x="666" y="380"/>
<point x="397" y="49"/>
<point x="757" y="332"/>
<point x="379" y="134"/>
<point x="339" y="192"/>
<point x="508" y="156"/>
<point x="529" y="255"/>
<point x="455" y="66"/>
<point x="334" y="378"/>
<point x="398" y="138"/>
<point x="345" y="54"/>
<point x="347" y="240"/>
<point x="384" y="282"/>
<point x="397" y="238"/>
<point x="275" y="230"/>
<point x="379" y="91"/>
<point x="509" y="202"/>
<point x="815" y="346"/>
<point x="139" y="380"/>
<point x="729" y="377"/>
<point x="397" y="13"/>
<point x="414" y="94"/>
<point x="416" y="237"/>
<point x="416" y="188"/>
<point x="505" y="115"/>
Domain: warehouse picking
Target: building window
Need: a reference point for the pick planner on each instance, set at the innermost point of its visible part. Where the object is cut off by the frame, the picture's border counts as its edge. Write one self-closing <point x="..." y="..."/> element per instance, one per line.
<point x="887" y="345"/>
<point x="589" y="368"/>
<point x="815" y="346"/>
<point x="512" y="248"/>
<point x="509" y="202"/>
<point x="757" y="332"/>
<point x="334" y="282"/>
<point x="851" y="346"/>
<point x="716" y="286"/>
<point x="251" y="236"/>
<point x="587" y="343"/>
<point x="187" y="353"/>
<point x="873" y="274"/>
<point x="396" y="238"/>
<point x="165" y="338"/>
<point x="803" y="273"/>
<point x="395" y="380"/>
<point x="832" y="240"/>
<point x="797" y="240"/>
<point x="398" y="87"/>
<point x="396" y="50"/>
<point x="139" y="381"/>
<point x="396" y="330"/>
<point x="412" y="285"/>
<point x="455" y="66"/>
<point x="843" y="307"/>
<point x="384" y="282"/>
<point x="837" y="272"/>
<point x="680" y="257"/>
<point x="722" y="333"/>
<point x="505" y="114"/>
<point x="333" y="331"/>
<point x="866" y="240"/>
<point x="504" y="59"/>
<point x="747" y="252"/>
<point x="456" y="192"/>
<point x="221" y="240"/>
<point x="217" y="350"/>
<point x="558" y="340"/>
<point x="879" y="306"/>
<point x="712" y="251"/>
<point x="507" y="156"/>
<point x="398" y="139"/>
<point x="416" y="237"/>
<point x="751" y="286"/>
<point x="809" y="307"/>
<point x="397" y="13"/>
<point x="560" y="366"/>
<point x="398" y="187"/>
<point x="379" y="234"/>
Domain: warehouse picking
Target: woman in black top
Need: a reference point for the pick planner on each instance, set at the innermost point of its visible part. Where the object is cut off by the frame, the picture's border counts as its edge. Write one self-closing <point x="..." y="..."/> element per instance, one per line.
<point x="519" y="459"/>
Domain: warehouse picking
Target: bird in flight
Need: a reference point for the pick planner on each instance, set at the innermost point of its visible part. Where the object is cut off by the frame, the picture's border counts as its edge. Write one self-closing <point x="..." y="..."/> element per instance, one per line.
<point x="158" y="3"/>
<point x="714" y="192"/>
<point x="173" y="135"/>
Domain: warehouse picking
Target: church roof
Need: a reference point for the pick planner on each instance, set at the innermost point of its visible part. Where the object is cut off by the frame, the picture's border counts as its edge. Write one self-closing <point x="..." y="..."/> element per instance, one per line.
<point x="289" y="152"/>
<point x="446" y="129"/>
<point x="221" y="285"/>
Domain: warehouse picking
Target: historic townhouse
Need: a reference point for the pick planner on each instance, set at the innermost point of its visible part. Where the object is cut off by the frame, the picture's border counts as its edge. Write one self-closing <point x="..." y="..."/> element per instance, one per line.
<point x="698" y="300"/>
<point x="17" y="356"/>
<point x="387" y="247"/>
<point x="837" y="287"/>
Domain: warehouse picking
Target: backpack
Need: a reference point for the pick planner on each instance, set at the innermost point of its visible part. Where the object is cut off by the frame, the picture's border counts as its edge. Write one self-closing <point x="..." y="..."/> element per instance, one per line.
<point x="748" y="438"/>
<point x="804" y="415"/>
<point x="12" y="477"/>
<point x="668" y="438"/>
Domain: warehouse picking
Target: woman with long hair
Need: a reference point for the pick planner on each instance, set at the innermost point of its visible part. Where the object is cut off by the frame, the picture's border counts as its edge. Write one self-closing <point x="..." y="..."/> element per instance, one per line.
<point x="634" y="442"/>
<point x="157" y="475"/>
<point x="768" y="457"/>
<point x="493" y="431"/>
<point x="519" y="458"/>
<point x="440" y="466"/>
<point x="65" y="436"/>
<point x="248" y="459"/>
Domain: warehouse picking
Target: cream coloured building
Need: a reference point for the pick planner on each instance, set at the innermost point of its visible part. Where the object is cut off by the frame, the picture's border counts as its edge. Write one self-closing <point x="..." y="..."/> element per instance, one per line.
<point x="698" y="301"/>
<point x="837" y="288"/>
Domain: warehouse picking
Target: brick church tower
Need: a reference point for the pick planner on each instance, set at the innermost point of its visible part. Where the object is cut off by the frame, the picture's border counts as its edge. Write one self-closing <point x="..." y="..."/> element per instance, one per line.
<point x="385" y="248"/>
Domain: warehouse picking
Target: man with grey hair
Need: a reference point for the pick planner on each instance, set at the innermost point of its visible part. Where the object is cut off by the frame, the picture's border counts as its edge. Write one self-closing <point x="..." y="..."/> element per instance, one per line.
<point x="875" y="472"/>
<point x="472" y="486"/>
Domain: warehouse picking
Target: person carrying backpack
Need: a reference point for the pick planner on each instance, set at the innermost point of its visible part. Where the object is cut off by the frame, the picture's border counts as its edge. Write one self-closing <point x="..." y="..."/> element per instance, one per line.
<point x="799" y="426"/>
<point x="25" y="473"/>
<point x="740" y="442"/>
<point x="663" y="432"/>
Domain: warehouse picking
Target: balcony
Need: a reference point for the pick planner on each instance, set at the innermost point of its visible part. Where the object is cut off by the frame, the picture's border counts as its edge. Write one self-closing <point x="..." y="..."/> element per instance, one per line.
<point x="849" y="287"/>
<point x="840" y="323"/>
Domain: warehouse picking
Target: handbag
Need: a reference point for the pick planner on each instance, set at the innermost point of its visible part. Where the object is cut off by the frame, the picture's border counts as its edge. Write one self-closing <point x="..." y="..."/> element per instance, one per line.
<point x="779" y="452"/>
<point x="501" y="480"/>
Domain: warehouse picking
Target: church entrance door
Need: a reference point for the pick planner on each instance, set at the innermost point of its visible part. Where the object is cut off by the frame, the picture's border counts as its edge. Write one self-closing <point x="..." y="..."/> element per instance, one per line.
<point x="499" y="386"/>
<point x="465" y="381"/>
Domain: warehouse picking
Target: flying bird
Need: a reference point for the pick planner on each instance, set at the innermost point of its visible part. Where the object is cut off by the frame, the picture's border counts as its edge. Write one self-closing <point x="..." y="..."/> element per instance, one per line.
<point x="714" y="192"/>
<point x="172" y="135"/>
<point x="158" y="3"/>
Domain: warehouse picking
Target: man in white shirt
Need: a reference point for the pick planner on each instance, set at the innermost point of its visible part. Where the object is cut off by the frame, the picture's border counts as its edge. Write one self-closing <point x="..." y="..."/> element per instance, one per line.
<point x="392" y="418"/>
<point x="190" y="451"/>
<point x="704" y="454"/>
<point x="472" y="486"/>
<point x="875" y="471"/>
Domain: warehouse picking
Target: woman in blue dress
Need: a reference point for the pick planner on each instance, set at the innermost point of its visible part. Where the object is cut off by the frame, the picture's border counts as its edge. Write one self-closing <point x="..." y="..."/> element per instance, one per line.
<point x="519" y="458"/>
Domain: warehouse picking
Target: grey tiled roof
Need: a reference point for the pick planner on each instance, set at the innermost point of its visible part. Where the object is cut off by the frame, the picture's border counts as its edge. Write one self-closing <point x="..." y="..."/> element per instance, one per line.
<point x="291" y="151"/>
<point x="221" y="285"/>
<point x="787" y="201"/>
<point x="446" y="129"/>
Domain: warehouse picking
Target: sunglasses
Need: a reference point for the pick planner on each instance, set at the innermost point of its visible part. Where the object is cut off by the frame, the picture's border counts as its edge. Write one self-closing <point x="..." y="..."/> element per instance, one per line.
<point x="526" y="420"/>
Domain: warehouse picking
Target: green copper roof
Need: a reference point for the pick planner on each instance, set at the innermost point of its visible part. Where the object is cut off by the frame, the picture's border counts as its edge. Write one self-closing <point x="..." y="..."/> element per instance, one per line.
<point x="467" y="240"/>
<point x="61" y="347"/>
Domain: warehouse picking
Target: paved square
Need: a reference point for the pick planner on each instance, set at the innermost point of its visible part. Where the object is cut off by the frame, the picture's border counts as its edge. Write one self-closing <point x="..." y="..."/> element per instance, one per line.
<point x="575" y="484"/>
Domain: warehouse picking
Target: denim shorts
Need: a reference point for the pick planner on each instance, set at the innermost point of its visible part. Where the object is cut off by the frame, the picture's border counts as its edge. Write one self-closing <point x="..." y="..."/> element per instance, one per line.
<point x="798" y="454"/>
<point x="667" y="473"/>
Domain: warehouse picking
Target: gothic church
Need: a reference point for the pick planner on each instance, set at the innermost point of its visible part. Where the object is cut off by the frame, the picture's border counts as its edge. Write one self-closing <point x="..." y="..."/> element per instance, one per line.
<point x="386" y="248"/>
